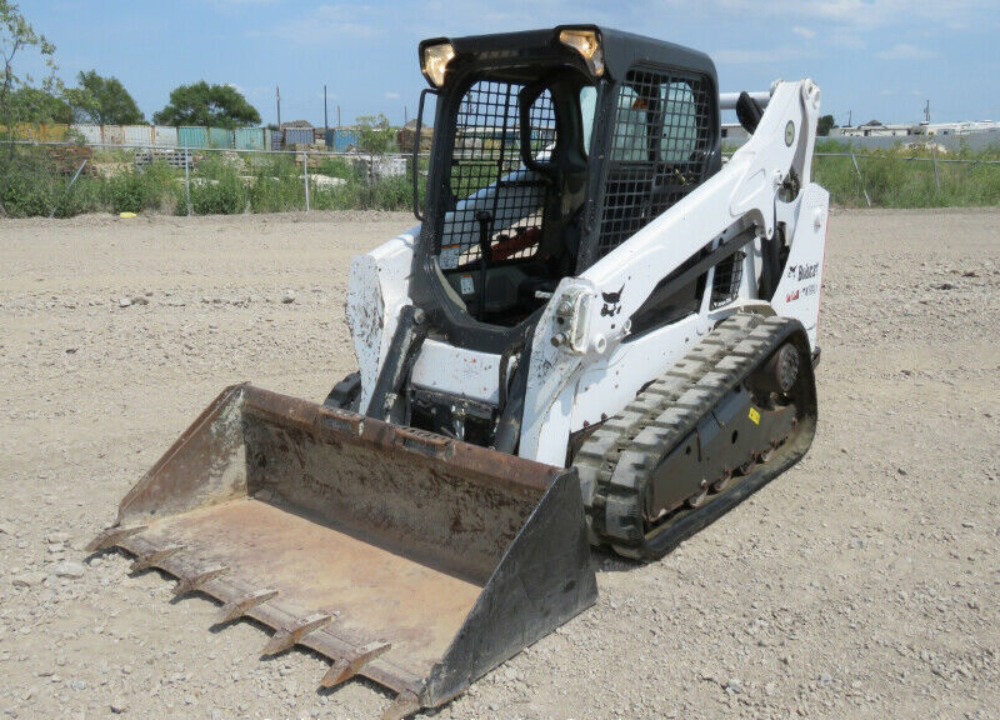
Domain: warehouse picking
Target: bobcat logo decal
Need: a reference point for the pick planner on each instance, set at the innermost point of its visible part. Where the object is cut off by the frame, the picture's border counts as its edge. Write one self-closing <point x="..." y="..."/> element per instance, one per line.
<point x="612" y="303"/>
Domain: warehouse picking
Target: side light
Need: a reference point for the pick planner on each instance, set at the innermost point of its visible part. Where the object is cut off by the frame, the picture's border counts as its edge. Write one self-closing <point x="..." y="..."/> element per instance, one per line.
<point x="435" y="62"/>
<point x="588" y="44"/>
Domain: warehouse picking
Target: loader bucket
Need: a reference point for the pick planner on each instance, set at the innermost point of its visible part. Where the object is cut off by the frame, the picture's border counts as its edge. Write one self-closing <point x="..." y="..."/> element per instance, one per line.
<point x="413" y="559"/>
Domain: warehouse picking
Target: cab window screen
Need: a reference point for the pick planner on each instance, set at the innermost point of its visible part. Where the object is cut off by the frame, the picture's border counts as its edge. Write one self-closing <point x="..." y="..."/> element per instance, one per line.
<point x="487" y="175"/>
<point x="661" y="139"/>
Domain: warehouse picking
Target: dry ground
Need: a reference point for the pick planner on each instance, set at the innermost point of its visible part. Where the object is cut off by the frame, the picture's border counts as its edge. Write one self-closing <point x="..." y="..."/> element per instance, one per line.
<point x="863" y="583"/>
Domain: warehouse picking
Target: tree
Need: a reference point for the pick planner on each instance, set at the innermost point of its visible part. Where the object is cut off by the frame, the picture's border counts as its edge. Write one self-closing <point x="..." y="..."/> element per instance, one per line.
<point x="103" y="101"/>
<point x="825" y="125"/>
<point x="204" y="104"/>
<point x="16" y="35"/>
<point x="375" y="135"/>
<point x="33" y="105"/>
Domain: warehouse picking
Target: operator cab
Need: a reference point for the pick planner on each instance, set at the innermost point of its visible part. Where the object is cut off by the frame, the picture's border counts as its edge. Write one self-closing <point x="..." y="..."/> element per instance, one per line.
<point x="522" y="191"/>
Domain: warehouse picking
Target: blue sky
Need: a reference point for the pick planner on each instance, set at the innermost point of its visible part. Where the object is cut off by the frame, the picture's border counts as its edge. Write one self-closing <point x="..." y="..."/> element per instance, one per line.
<point x="876" y="58"/>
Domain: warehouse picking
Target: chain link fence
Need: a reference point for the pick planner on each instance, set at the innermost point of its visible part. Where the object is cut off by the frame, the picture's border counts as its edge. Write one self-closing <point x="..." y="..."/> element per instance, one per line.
<point x="62" y="180"/>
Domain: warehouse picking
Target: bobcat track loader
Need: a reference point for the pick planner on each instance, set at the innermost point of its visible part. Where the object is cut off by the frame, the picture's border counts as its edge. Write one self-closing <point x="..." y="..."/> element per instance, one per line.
<point x="600" y="334"/>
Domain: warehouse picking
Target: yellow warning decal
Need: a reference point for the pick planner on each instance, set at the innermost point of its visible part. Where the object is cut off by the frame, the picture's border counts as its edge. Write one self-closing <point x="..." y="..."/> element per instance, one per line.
<point x="755" y="416"/>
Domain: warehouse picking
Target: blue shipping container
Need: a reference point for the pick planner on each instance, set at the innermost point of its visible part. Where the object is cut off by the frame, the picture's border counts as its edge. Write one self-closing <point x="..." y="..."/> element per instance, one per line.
<point x="277" y="139"/>
<point x="298" y="136"/>
<point x="344" y="140"/>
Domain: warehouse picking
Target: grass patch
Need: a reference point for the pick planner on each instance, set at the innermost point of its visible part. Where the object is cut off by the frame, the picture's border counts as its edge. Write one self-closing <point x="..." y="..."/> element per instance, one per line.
<point x="903" y="177"/>
<point x="31" y="184"/>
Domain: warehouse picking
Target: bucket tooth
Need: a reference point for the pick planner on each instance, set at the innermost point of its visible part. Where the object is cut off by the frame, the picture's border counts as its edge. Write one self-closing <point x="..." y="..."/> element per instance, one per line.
<point x="191" y="583"/>
<point x="154" y="557"/>
<point x="343" y="669"/>
<point x="406" y="703"/>
<point x="285" y="638"/>
<point x="109" y="537"/>
<point x="240" y="606"/>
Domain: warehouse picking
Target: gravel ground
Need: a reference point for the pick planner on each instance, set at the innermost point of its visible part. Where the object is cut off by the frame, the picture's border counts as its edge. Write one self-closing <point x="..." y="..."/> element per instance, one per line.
<point x="863" y="583"/>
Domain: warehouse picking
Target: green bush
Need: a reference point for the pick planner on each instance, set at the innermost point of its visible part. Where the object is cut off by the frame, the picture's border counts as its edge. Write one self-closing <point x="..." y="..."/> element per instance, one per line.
<point x="148" y="188"/>
<point x="276" y="187"/>
<point x="225" y="194"/>
<point x="29" y="183"/>
<point x="337" y="167"/>
<point x="33" y="183"/>
<point x="391" y="193"/>
<point x="86" y="196"/>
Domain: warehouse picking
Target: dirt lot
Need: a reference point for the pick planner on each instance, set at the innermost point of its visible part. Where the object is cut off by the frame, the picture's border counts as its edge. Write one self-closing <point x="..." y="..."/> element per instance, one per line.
<point x="863" y="583"/>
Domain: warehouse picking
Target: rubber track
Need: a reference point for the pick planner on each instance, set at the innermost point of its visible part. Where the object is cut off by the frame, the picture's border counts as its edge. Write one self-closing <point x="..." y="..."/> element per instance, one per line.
<point x="616" y="462"/>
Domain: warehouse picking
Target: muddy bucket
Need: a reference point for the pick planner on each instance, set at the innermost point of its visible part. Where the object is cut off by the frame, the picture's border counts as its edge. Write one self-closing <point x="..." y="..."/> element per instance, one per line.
<point x="413" y="559"/>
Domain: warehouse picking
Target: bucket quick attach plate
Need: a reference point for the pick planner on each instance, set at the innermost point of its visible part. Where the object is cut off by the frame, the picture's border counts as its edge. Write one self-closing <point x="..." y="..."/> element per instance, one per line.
<point x="412" y="559"/>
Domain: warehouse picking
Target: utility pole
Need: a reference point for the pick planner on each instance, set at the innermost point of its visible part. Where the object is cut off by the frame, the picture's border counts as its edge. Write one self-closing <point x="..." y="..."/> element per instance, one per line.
<point x="338" y="117"/>
<point x="850" y="117"/>
<point x="927" y="112"/>
<point x="326" y="120"/>
<point x="405" y="118"/>
<point x="277" y="96"/>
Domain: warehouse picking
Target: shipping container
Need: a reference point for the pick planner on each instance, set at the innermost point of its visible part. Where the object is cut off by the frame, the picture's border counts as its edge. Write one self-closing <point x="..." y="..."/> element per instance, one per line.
<point x="249" y="138"/>
<point x="220" y="138"/>
<point x="137" y="135"/>
<point x="114" y="135"/>
<point x="298" y="136"/>
<point x="344" y="140"/>
<point x="165" y="135"/>
<point x="40" y="132"/>
<point x="192" y="136"/>
<point x="91" y="134"/>
<point x="277" y="139"/>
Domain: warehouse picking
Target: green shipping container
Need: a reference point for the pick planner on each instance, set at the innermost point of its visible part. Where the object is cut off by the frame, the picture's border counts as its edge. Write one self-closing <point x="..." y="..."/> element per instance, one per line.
<point x="192" y="137"/>
<point x="249" y="138"/>
<point x="221" y="138"/>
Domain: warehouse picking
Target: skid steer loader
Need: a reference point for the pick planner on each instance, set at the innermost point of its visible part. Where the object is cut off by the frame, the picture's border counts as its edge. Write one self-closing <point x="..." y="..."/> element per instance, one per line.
<point x="599" y="334"/>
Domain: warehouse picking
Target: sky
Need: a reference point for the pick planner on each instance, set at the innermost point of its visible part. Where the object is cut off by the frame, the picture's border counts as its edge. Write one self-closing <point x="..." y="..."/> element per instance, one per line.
<point x="873" y="59"/>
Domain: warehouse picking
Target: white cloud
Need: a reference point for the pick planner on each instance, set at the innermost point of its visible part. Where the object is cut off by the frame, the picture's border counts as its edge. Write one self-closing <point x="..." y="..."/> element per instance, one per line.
<point x="905" y="51"/>
<point x="328" y="23"/>
<point x="750" y="57"/>
<point x="742" y="57"/>
<point x="848" y="39"/>
<point x="805" y="32"/>
<point x="864" y="15"/>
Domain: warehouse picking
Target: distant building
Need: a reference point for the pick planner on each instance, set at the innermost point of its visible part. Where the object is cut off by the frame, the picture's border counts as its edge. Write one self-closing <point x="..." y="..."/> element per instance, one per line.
<point x="877" y="129"/>
<point x="734" y="132"/>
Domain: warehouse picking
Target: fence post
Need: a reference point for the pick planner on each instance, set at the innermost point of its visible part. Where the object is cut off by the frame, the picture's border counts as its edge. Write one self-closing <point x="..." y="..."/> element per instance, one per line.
<point x="187" y="182"/>
<point x="937" y="179"/>
<point x="861" y="178"/>
<point x="68" y="188"/>
<point x="305" y="175"/>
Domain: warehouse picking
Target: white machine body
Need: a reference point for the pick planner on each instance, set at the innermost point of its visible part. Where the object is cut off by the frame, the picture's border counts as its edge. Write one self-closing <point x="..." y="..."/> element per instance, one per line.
<point x="580" y="368"/>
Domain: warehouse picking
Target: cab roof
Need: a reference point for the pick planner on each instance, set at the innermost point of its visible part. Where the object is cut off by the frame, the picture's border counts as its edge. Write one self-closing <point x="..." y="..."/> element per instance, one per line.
<point x="621" y="50"/>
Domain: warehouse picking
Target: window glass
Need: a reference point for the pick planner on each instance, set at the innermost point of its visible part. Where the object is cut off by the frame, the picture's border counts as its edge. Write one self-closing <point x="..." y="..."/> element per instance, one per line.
<point x="631" y="138"/>
<point x="588" y="108"/>
<point x="680" y="122"/>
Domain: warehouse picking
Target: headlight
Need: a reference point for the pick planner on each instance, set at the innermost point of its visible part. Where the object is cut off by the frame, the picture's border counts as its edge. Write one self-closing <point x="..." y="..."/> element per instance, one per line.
<point x="435" y="62"/>
<point x="588" y="44"/>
